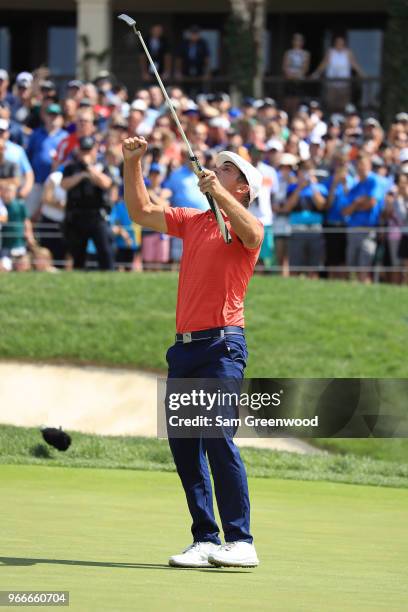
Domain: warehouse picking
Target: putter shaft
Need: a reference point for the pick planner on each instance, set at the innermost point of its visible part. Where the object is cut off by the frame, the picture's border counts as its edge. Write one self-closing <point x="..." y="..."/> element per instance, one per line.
<point x="194" y="161"/>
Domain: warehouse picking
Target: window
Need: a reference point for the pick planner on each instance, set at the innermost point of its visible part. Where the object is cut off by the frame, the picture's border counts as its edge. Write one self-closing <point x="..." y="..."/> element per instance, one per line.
<point x="62" y="51"/>
<point x="5" y="49"/>
<point x="367" y="47"/>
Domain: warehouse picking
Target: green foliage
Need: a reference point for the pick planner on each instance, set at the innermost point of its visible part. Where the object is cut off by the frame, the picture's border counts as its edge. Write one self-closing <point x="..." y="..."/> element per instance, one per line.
<point x="89" y="56"/>
<point x="241" y="54"/>
<point x="395" y="89"/>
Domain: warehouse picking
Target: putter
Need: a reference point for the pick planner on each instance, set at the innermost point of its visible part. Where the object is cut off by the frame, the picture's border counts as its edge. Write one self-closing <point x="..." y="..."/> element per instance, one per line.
<point x="193" y="159"/>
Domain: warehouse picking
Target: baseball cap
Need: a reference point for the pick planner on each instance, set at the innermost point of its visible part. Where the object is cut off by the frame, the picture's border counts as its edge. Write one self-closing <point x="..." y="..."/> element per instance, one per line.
<point x="303" y="108"/>
<point x="4" y="125"/>
<point x="139" y="105"/>
<point x="401" y="118"/>
<point x="248" y="101"/>
<point x="53" y="109"/>
<point x="3" y="75"/>
<point x="316" y="140"/>
<point x="120" y="123"/>
<point x="48" y="85"/>
<point x="269" y="103"/>
<point x="85" y="102"/>
<point x="404" y="155"/>
<point x="24" y="79"/>
<point x="191" y="108"/>
<point x="102" y="75"/>
<point x="220" y="122"/>
<point x="371" y="122"/>
<point x="75" y="83"/>
<point x="288" y="159"/>
<point x="252" y="175"/>
<point x="273" y="144"/>
<point x="350" y="109"/>
<point x="155" y="167"/>
<point x="377" y="161"/>
<point x="86" y="143"/>
<point x="221" y="96"/>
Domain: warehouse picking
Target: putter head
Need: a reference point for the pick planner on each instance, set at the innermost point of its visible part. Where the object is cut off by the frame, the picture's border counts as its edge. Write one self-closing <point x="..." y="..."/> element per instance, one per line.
<point x="131" y="22"/>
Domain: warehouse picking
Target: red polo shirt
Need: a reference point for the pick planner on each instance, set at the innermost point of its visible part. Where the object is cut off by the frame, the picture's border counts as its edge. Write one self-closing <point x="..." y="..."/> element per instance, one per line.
<point x="214" y="276"/>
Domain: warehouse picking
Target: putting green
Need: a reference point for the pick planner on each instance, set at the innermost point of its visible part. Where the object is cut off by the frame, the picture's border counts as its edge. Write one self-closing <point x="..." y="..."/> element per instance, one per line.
<point x="105" y="536"/>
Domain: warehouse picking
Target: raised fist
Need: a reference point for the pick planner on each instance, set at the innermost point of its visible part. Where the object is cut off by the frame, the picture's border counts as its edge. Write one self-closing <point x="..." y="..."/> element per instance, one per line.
<point x="134" y="148"/>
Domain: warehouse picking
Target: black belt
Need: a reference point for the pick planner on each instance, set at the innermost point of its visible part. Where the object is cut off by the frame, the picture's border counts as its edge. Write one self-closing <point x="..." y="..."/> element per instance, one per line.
<point x="207" y="334"/>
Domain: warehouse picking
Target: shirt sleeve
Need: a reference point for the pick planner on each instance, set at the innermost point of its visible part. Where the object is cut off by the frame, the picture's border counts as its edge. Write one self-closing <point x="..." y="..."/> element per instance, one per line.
<point x="177" y="219"/>
<point x="24" y="163"/>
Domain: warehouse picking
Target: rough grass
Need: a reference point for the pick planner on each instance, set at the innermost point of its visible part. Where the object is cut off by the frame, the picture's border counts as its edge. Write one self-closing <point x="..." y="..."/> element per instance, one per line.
<point x="20" y="445"/>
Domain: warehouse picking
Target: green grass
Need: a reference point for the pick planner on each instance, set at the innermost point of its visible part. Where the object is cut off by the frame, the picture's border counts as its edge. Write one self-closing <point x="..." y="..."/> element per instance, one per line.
<point x="25" y="446"/>
<point x="106" y="535"/>
<point x="384" y="449"/>
<point x="295" y="327"/>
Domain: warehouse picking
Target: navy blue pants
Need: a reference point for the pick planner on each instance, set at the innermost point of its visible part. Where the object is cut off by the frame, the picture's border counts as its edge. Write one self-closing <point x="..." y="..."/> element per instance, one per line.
<point x="215" y="358"/>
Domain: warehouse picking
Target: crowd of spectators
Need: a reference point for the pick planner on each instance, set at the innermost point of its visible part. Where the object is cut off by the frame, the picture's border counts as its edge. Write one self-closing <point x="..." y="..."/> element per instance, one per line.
<point x="334" y="200"/>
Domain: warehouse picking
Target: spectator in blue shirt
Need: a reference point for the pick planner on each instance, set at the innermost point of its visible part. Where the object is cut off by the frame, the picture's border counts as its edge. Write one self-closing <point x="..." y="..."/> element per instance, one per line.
<point x="305" y="204"/>
<point x="362" y="213"/>
<point x="42" y="149"/>
<point x="15" y="154"/>
<point x="183" y="184"/>
<point x="127" y="248"/>
<point x="338" y="184"/>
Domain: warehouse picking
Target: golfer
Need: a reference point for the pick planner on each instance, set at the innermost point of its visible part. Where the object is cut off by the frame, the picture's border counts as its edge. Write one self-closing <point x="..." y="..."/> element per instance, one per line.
<point x="210" y="340"/>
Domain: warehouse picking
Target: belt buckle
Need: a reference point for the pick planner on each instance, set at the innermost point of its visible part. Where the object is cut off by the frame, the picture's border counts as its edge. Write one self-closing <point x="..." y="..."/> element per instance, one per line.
<point x="187" y="338"/>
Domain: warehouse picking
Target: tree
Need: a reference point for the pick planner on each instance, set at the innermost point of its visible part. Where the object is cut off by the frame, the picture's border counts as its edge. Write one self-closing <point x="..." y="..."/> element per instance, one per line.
<point x="395" y="86"/>
<point x="244" y="35"/>
<point x="89" y="56"/>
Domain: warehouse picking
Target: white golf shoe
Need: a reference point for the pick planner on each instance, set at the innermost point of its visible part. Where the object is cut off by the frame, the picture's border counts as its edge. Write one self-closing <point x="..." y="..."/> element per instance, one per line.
<point x="234" y="554"/>
<point x="195" y="555"/>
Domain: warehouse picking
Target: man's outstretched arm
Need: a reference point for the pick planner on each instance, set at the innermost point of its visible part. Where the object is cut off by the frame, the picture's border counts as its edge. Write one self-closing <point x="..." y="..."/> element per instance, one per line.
<point x="140" y="207"/>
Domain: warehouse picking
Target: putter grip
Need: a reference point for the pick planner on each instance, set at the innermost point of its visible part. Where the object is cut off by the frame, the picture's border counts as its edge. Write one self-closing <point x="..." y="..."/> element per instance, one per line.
<point x="213" y="205"/>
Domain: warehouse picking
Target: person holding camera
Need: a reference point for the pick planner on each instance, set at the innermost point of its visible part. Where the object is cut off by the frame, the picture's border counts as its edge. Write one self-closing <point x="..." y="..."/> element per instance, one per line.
<point x="87" y="184"/>
<point x="305" y="204"/>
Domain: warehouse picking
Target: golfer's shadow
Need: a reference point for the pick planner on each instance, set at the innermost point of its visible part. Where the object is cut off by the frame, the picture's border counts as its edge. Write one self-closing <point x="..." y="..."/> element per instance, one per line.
<point x="22" y="561"/>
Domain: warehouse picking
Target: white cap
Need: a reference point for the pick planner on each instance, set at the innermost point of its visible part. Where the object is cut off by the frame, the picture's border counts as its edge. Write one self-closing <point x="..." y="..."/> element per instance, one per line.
<point x="274" y="144"/>
<point x="404" y="155"/>
<point x="220" y="122"/>
<point x="139" y="105"/>
<point x="252" y="175"/>
<point x="288" y="159"/>
<point x="4" y="75"/>
<point x="24" y="78"/>
<point x="4" y="125"/>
